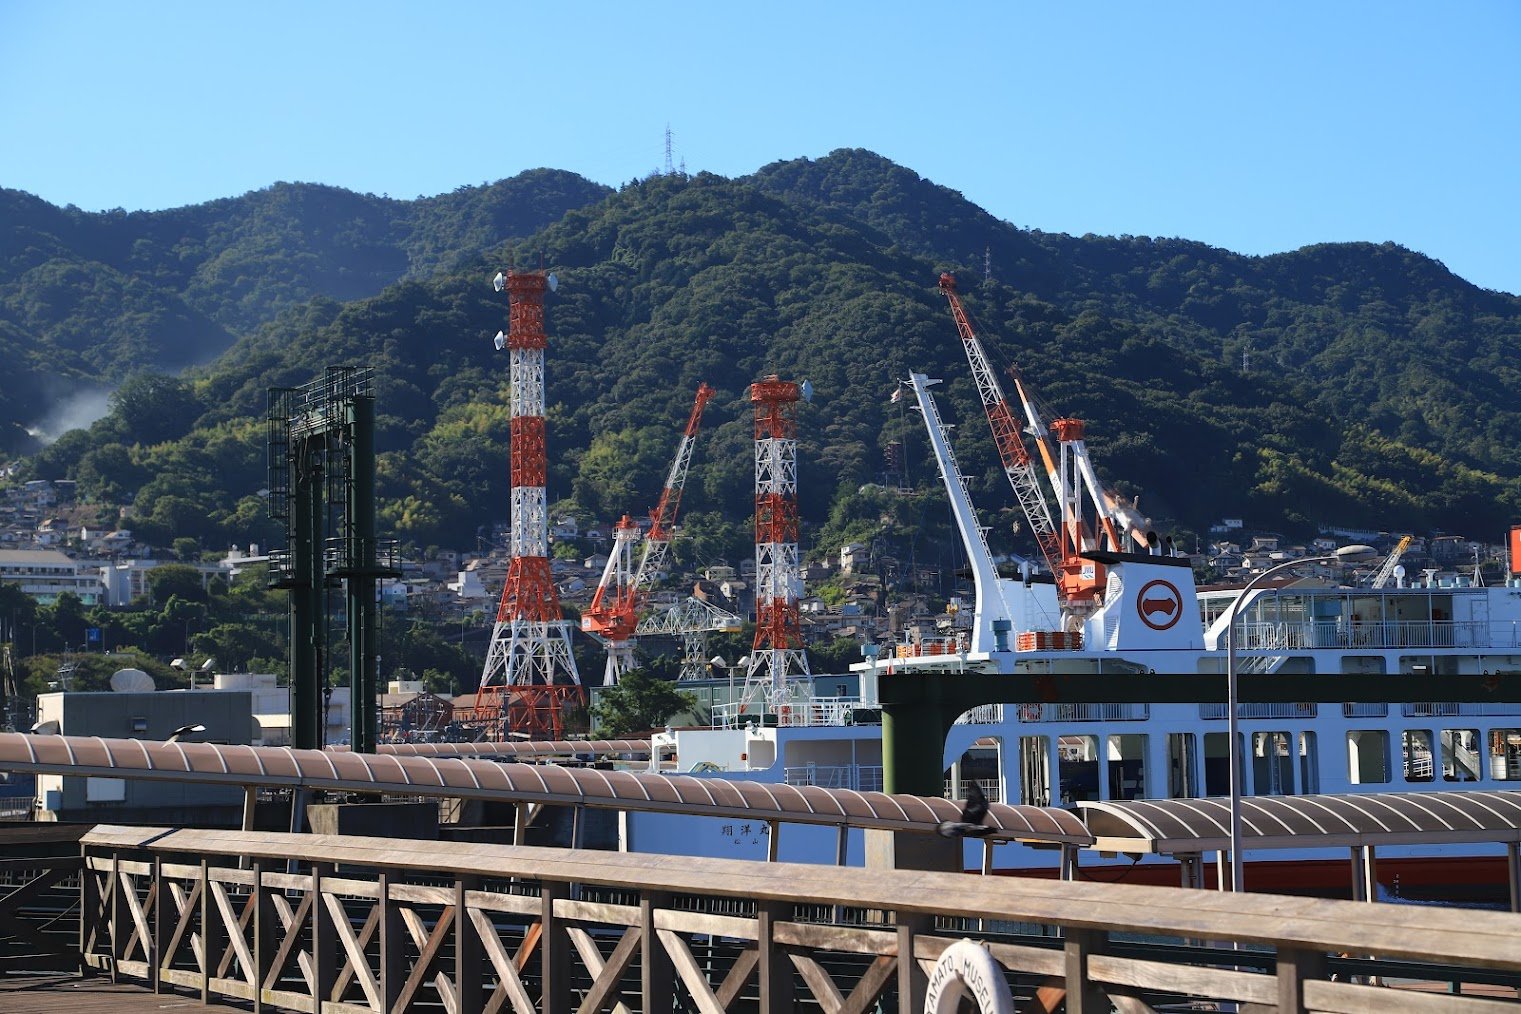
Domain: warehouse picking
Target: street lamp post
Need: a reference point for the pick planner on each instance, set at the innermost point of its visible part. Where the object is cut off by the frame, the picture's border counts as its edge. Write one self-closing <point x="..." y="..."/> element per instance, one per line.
<point x="1346" y="554"/>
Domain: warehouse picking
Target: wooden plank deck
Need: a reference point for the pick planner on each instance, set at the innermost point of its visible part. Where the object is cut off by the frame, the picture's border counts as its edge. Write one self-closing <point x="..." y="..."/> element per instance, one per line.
<point x="73" y="994"/>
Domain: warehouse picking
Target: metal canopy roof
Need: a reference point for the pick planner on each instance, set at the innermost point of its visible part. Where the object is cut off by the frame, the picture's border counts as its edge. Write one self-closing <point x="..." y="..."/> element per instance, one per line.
<point x="208" y="763"/>
<point x="1172" y="826"/>
<point x="520" y="748"/>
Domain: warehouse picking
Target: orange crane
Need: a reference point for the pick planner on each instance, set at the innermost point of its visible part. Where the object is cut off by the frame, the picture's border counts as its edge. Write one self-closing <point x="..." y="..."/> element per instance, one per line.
<point x="1079" y="581"/>
<point x="614" y="611"/>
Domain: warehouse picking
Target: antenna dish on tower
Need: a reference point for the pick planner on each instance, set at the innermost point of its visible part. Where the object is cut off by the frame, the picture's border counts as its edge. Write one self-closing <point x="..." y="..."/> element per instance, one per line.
<point x="554" y="282"/>
<point x="132" y="681"/>
<point x="806" y="390"/>
<point x="499" y="282"/>
<point x="500" y="341"/>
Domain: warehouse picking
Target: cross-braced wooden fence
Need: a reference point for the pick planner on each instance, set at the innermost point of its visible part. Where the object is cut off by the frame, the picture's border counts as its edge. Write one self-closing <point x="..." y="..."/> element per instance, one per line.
<point x="370" y="924"/>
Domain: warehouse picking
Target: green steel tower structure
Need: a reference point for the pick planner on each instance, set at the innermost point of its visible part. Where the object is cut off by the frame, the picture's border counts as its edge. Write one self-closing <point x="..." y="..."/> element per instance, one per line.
<point x="322" y="486"/>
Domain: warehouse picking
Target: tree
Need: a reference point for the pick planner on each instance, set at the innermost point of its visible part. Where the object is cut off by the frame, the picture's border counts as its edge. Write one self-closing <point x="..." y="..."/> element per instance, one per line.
<point x="171" y="579"/>
<point x="640" y="701"/>
<point x="153" y="407"/>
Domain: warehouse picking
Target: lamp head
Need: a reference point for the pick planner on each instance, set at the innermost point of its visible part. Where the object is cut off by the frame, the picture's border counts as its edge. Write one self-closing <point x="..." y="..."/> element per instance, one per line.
<point x="1356" y="554"/>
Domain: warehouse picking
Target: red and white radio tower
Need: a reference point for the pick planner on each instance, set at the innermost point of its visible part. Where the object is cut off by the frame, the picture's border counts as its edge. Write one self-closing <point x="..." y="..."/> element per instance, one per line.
<point x="778" y="648"/>
<point x="530" y="670"/>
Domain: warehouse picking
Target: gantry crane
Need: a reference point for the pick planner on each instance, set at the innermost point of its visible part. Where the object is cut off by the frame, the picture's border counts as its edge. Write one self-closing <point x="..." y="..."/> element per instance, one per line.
<point x="1079" y="580"/>
<point x="613" y="615"/>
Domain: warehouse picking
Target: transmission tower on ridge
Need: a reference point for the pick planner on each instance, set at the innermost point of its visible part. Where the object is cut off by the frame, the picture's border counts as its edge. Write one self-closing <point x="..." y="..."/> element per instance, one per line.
<point x="530" y="671"/>
<point x="778" y="647"/>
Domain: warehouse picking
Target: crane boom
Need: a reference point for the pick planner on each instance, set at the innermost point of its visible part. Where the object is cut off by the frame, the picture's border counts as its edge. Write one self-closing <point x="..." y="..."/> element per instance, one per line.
<point x="663" y="517"/>
<point x="1017" y="463"/>
<point x="613" y="615"/>
<point x="1079" y="581"/>
<point x="1387" y="570"/>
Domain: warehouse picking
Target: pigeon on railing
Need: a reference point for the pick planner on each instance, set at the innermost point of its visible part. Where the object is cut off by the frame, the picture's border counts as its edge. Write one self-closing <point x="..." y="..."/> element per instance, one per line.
<point x="972" y="814"/>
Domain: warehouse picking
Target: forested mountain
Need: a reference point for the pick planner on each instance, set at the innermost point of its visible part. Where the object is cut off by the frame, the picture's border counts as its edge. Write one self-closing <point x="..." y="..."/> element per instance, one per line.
<point x="88" y="298"/>
<point x="1374" y="391"/>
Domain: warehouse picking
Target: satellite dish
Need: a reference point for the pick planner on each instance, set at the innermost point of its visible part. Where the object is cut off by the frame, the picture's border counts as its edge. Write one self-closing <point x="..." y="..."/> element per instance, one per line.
<point x="499" y="282"/>
<point x="132" y="681"/>
<point x="501" y="341"/>
<point x="48" y="728"/>
<point x="1399" y="570"/>
<point x="554" y="283"/>
<point x="806" y="391"/>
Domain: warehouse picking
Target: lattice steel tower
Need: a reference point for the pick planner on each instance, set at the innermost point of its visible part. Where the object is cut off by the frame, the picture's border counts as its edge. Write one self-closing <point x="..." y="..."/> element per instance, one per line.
<point x="530" y="671"/>
<point x="778" y="647"/>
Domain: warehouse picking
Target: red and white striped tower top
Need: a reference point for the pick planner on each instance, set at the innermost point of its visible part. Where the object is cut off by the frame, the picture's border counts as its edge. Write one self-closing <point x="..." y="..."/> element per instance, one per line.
<point x="778" y="647"/>
<point x="530" y="643"/>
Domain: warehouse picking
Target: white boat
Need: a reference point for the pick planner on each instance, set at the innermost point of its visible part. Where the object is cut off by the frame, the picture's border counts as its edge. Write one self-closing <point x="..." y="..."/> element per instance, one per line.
<point x="1148" y="618"/>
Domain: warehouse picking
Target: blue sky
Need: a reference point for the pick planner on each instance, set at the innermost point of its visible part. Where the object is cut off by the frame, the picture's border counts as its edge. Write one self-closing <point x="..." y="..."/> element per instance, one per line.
<point x="1258" y="127"/>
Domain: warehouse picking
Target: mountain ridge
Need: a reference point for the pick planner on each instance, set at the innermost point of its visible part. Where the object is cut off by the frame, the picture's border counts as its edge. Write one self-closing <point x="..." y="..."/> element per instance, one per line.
<point x="1373" y="388"/>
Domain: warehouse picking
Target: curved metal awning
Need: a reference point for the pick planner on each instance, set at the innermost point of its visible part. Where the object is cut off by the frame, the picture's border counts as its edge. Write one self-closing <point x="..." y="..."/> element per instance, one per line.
<point x="524" y="749"/>
<point x="1175" y="826"/>
<point x="475" y="778"/>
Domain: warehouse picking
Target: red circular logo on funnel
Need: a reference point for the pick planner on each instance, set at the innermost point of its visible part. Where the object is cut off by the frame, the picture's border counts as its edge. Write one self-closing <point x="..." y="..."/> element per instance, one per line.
<point x="1160" y="605"/>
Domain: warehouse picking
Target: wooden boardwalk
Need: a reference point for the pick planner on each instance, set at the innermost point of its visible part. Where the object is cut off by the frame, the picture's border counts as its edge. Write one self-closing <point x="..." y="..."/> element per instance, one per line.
<point x="73" y="994"/>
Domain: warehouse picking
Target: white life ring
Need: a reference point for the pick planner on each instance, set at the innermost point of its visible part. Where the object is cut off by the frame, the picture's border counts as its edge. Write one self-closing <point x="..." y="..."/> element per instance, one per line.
<point x="967" y="969"/>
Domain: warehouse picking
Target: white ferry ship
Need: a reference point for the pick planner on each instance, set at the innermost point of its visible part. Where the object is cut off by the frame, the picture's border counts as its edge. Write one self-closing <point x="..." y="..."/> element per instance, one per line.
<point x="1148" y="617"/>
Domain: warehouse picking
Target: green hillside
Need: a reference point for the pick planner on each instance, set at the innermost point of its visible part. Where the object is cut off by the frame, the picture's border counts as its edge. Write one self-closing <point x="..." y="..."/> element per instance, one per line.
<point x="86" y="299"/>
<point x="1375" y="393"/>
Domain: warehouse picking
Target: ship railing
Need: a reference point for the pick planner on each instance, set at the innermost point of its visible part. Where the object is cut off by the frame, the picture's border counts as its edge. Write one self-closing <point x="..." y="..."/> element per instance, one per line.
<point x="1258" y="663"/>
<point x="931" y="646"/>
<point x="1340" y="633"/>
<point x="1453" y="709"/>
<point x="858" y="777"/>
<point x="992" y="788"/>
<point x="983" y="714"/>
<point x="1126" y="712"/>
<point x="818" y="711"/>
<point x="1301" y="709"/>
<point x="815" y="711"/>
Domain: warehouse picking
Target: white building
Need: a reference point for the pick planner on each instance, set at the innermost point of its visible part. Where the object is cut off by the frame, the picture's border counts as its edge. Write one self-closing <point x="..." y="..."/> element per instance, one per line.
<point x="44" y="574"/>
<point x="271" y="708"/>
<point x="125" y="581"/>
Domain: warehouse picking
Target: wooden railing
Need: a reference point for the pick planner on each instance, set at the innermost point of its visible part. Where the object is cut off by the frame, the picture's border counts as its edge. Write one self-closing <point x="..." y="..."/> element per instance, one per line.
<point x="341" y="925"/>
<point x="39" y="914"/>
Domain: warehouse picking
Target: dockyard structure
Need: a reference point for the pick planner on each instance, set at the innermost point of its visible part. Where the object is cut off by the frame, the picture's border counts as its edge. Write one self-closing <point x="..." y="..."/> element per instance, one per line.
<point x="322" y="487"/>
<point x="778" y="652"/>
<point x="530" y="672"/>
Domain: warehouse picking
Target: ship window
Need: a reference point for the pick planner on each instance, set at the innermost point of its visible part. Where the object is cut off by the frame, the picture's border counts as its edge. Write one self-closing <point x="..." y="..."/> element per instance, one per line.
<point x="1372" y="665"/>
<point x="1415" y="746"/>
<point x="1077" y="761"/>
<point x="1182" y="766"/>
<point x="1217" y="765"/>
<point x="1367" y="756"/>
<point x="1505" y="754"/>
<point x="1035" y="770"/>
<point x="1272" y="764"/>
<point x="1127" y="766"/>
<point x="1309" y="764"/>
<point x="1462" y="755"/>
